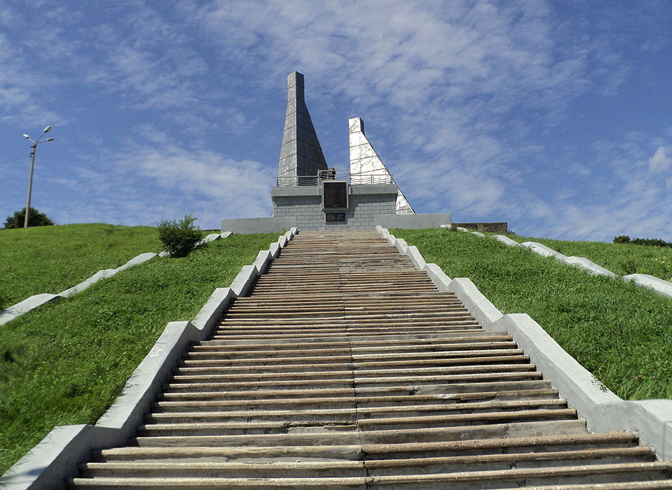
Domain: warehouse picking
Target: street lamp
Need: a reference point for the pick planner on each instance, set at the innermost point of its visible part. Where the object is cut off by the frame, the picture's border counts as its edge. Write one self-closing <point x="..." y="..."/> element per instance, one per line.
<point x="33" y="149"/>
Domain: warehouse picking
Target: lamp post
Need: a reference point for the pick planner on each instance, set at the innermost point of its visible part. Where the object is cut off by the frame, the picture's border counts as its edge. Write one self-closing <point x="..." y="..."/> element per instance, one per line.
<point x="33" y="149"/>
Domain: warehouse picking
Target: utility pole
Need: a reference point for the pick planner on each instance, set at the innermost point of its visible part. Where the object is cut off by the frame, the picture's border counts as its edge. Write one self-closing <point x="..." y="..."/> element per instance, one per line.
<point x="33" y="150"/>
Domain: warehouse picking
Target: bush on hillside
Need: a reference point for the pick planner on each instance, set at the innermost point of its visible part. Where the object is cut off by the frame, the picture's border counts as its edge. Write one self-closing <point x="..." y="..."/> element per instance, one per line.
<point x="653" y="242"/>
<point x="35" y="218"/>
<point x="179" y="237"/>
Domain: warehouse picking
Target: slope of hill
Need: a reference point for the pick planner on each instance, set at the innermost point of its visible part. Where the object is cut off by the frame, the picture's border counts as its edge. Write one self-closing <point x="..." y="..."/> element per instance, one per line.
<point x="619" y="332"/>
<point x="50" y="259"/>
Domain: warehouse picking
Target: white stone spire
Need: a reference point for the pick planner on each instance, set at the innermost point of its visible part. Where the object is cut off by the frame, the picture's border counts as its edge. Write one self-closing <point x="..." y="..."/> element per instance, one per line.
<point x="366" y="167"/>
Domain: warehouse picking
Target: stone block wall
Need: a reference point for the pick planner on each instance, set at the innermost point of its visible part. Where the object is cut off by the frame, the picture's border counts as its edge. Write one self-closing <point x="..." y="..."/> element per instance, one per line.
<point x="309" y="215"/>
<point x="305" y="204"/>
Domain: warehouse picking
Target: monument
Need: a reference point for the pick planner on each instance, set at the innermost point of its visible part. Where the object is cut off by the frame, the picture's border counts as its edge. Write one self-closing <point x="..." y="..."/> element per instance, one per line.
<point x="311" y="195"/>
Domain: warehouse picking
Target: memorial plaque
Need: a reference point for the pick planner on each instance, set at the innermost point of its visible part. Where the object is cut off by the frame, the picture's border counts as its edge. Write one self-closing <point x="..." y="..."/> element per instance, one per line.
<point x="335" y="217"/>
<point x="335" y="195"/>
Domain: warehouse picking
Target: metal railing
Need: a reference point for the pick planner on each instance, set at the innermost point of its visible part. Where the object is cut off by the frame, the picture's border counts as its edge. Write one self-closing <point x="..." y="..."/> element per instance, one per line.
<point x="368" y="178"/>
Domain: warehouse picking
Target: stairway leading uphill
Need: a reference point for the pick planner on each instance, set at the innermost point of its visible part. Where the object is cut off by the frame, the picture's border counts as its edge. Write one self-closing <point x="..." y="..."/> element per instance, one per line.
<point x="346" y="368"/>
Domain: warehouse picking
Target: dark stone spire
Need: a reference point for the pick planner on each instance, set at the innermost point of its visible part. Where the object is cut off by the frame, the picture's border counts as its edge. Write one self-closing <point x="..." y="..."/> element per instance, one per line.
<point x="301" y="154"/>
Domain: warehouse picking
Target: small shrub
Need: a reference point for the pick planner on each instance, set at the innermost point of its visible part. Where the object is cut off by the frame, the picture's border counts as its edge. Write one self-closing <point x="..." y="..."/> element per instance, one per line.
<point x="653" y="242"/>
<point x="35" y="218"/>
<point x="179" y="237"/>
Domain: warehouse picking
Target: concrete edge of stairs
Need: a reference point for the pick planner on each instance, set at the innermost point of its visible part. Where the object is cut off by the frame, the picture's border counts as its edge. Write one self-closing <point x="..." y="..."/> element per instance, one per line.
<point x="56" y="457"/>
<point x="603" y="410"/>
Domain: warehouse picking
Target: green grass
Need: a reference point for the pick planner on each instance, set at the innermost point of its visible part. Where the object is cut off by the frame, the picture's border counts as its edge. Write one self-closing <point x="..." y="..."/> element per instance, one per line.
<point x="620" y="258"/>
<point x="51" y="259"/>
<point x="65" y="363"/>
<point x="619" y="332"/>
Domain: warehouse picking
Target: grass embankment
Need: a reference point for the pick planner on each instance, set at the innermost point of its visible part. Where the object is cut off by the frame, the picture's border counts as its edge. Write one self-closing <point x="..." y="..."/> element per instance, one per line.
<point x="619" y="332"/>
<point x="65" y="363"/>
<point x="620" y="258"/>
<point x="51" y="259"/>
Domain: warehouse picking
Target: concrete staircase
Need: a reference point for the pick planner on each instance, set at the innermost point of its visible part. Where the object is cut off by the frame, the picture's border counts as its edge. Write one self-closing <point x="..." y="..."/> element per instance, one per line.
<point x="345" y="368"/>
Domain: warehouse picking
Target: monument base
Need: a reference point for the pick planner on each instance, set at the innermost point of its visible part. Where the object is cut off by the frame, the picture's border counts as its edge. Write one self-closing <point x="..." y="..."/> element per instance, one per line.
<point x="307" y="208"/>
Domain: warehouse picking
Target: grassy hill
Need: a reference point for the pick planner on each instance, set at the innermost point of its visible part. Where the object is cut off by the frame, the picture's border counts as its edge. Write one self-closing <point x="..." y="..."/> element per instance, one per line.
<point x="619" y="332"/>
<point x="66" y="362"/>
<point x="50" y="259"/>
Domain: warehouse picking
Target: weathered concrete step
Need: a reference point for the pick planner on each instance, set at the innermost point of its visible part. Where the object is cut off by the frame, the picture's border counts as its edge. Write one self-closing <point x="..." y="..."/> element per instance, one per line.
<point x="320" y="311"/>
<point x="351" y="375"/>
<point x="388" y="328"/>
<point x="299" y="468"/>
<point x="289" y="283"/>
<point x="351" y="278"/>
<point x="327" y="297"/>
<point x="355" y="382"/>
<point x="348" y="413"/>
<point x="307" y="291"/>
<point x="208" y="428"/>
<point x="436" y="315"/>
<point x="442" y="343"/>
<point x="383" y="390"/>
<point x="205" y="359"/>
<point x="395" y="436"/>
<point x="286" y="281"/>
<point x="353" y="321"/>
<point x="598" y="474"/>
<point x="336" y="284"/>
<point x="340" y="301"/>
<point x="351" y="327"/>
<point x="378" y="353"/>
<point x="193" y="368"/>
<point x="231" y="334"/>
<point x="336" y="339"/>
<point x="362" y="402"/>
<point x="357" y="344"/>
<point x="376" y="452"/>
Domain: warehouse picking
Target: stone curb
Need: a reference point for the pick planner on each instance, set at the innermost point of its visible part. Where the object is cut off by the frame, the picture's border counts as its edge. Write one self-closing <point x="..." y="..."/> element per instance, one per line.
<point x="56" y="457"/>
<point x="603" y="410"/>
<point x="542" y="250"/>
<point x="25" y="306"/>
<point x="507" y="241"/>
<point x="646" y="281"/>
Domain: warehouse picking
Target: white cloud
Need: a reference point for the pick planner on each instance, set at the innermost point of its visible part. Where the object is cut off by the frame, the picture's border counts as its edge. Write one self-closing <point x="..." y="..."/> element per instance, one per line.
<point x="659" y="162"/>
<point x="153" y="179"/>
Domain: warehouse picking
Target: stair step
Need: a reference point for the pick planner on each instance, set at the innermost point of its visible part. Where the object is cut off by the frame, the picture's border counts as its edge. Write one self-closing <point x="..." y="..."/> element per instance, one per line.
<point x="601" y="473"/>
<point x="320" y="436"/>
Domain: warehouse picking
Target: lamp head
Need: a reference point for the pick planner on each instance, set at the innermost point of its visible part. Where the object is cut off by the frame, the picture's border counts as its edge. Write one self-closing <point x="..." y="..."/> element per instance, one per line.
<point x="49" y="139"/>
<point x="47" y="129"/>
<point x="26" y="136"/>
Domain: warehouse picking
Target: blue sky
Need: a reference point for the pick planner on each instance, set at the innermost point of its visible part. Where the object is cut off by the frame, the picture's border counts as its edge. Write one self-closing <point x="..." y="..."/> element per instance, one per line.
<point x="555" y="116"/>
